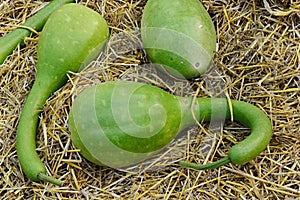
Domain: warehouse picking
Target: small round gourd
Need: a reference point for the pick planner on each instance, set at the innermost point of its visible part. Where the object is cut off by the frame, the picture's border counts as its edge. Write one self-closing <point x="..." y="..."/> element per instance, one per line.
<point x="121" y="123"/>
<point x="179" y="35"/>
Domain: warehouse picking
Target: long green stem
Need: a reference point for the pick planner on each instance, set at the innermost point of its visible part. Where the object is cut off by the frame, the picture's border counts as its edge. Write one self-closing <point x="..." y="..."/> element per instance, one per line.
<point x="9" y="42"/>
<point x="213" y="165"/>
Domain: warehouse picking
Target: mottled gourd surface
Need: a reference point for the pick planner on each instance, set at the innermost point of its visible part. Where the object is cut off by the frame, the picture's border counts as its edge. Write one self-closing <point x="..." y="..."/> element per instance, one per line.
<point x="122" y="123"/>
<point x="72" y="36"/>
<point x="179" y="35"/>
<point x="60" y="53"/>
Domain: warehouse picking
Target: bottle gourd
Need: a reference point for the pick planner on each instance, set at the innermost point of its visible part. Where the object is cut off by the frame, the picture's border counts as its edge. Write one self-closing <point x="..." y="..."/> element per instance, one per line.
<point x="72" y="36"/>
<point x="122" y="123"/>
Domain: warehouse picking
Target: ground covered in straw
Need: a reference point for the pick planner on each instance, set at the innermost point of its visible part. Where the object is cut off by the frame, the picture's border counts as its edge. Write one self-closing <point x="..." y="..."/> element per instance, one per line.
<point x="257" y="61"/>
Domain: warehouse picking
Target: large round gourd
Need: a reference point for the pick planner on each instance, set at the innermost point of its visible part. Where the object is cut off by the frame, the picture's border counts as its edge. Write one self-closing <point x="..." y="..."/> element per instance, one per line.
<point x="179" y="35"/>
<point x="116" y="124"/>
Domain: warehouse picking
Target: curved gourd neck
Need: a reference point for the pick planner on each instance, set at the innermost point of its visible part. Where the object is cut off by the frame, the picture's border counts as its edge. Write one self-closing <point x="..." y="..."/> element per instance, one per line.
<point x="26" y="141"/>
<point x="218" y="109"/>
<point x="31" y="110"/>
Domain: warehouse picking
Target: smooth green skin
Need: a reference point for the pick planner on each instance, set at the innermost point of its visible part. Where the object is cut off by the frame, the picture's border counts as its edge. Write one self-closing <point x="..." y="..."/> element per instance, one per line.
<point x="110" y="113"/>
<point x="9" y="42"/>
<point x="100" y="108"/>
<point x="179" y="35"/>
<point x="72" y="36"/>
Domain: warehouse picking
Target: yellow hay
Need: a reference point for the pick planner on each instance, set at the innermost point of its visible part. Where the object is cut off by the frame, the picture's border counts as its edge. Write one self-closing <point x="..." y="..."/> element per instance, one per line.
<point x="257" y="61"/>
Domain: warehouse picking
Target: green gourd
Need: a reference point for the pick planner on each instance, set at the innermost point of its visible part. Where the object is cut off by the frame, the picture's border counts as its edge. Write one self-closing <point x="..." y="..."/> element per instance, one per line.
<point x="122" y="123"/>
<point x="71" y="38"/>
<point x="179" y="35"/>
<point x="9" y="42"/>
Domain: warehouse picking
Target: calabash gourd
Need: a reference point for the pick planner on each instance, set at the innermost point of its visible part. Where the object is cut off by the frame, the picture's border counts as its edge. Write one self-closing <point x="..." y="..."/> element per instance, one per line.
<point x="71" y="38"/>
<point x="179" y="35"/>
<point x="121" y="123"/>
<point x="9" y="42"/>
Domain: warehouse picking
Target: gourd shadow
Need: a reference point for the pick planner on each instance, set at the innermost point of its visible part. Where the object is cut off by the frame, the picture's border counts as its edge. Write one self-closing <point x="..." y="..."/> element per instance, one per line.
<point x="123" y="48"/>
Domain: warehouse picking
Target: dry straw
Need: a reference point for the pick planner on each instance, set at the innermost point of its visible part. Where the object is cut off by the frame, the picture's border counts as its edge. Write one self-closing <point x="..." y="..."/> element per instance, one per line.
<point x="257" y="61"/>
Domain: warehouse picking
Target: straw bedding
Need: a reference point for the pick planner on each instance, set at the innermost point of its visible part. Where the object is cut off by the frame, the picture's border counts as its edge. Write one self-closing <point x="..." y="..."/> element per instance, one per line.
<point x="257" y="61"/>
